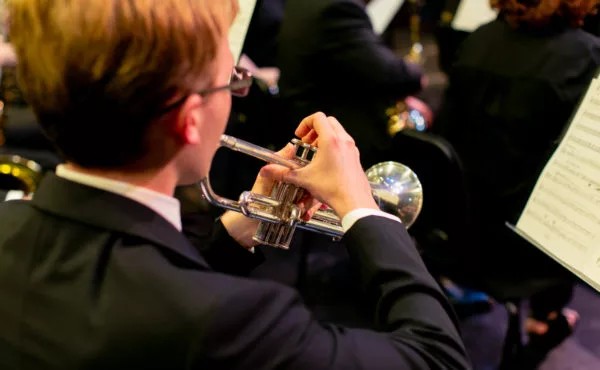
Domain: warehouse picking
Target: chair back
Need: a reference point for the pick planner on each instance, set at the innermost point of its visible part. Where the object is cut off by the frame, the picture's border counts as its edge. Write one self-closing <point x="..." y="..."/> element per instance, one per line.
<point x="444" y="226"/>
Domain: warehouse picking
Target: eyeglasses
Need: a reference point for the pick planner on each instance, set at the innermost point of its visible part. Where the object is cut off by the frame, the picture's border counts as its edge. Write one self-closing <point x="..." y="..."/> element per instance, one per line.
<point x="239" y="84"/>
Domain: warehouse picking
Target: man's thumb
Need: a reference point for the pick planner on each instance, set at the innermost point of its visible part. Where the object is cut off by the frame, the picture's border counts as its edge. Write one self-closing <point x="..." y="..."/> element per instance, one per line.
<point x="274" y="172"/>
<point x="296" y="177"/>
<point x="279" y="173"/>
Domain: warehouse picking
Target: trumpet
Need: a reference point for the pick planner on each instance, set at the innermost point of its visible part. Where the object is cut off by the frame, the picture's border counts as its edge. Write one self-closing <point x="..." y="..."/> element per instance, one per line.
<point x="396" y="189"/>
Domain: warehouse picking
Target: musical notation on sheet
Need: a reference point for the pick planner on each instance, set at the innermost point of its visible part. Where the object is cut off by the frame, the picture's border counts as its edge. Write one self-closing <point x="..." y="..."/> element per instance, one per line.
<point x="239" y="28"/>
<point x="562" y="216"/>
<point x="471" y="14"/>
<point x="382" y="12"/>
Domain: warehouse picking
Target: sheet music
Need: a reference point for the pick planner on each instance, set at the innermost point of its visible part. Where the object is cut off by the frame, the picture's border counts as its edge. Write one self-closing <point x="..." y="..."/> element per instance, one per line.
<point x="239" y="28"/>
<point x="382" y="12"/>
<point x="562" y="216"/>
<point x="471" y="14"/>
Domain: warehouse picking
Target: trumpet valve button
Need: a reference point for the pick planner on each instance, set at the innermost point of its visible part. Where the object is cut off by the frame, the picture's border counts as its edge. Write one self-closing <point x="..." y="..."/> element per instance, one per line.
<point x="304" y="151"/>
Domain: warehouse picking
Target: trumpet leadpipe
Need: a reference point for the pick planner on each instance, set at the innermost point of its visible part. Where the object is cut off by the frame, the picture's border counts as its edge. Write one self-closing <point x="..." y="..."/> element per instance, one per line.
<point x="257" y="152"/>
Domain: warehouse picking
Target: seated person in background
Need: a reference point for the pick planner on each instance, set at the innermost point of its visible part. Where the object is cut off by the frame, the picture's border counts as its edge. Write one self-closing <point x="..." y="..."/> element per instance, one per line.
<point x="260" y="45"/>
<point x="95" y="272"/>
<point x="331" y="60"/>
<point x="267" y="75"/>
<point x="449" y="39"/>
<point x="512" y="89"/>
<point x="256" y="118"/>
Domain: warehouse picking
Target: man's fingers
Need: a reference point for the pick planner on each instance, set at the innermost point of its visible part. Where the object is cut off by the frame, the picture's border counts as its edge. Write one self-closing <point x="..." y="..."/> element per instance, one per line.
<point x="315" y="206"/>
<point x="308" y="124"/>
<point x="311" y="137"/>
<point x="288" y="151"/>
<point x="274" y="172"/>
<point x="317" y="122"/>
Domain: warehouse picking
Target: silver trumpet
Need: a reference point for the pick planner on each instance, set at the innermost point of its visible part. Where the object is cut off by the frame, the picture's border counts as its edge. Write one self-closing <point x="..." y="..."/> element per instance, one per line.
<point x="396" y="189"/>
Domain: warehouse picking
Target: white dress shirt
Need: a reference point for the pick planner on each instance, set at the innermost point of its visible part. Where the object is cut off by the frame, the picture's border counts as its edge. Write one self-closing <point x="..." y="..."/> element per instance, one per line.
<point x="15" y="195"/>
<point x="166" y="206"/>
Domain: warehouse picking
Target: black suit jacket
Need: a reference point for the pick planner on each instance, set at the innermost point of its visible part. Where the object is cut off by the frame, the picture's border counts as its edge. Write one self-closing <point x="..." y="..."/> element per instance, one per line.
<point x="332" y="61"/>
<point x="92" y="280"/>
<point x="510" y="95"/>
<point x="261" y="40"/>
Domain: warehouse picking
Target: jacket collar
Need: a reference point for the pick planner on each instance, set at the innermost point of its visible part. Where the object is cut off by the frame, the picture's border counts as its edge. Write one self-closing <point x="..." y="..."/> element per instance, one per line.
<point x="106" y="210"/>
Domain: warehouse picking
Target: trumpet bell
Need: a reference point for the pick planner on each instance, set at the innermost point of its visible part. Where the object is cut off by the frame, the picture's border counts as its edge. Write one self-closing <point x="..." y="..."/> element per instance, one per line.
<point x="397" y="190"/>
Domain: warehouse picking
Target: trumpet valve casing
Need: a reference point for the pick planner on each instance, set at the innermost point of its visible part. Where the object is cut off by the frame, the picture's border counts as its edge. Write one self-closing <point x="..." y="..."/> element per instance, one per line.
<point x="286" y="197"/>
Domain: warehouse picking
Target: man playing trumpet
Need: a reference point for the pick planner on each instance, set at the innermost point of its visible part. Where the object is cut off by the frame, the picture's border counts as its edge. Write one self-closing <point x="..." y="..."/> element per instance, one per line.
<point x="95" y="272"/>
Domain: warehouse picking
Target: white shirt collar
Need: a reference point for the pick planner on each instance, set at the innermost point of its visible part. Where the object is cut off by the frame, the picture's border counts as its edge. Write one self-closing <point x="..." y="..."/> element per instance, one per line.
<point x="166" y="206"/>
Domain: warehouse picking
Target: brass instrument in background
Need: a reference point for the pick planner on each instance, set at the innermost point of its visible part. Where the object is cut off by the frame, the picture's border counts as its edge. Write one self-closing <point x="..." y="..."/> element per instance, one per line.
<point x="18" y="173"/>
<point x="402" y="116"/>
<point x="416" y="49"/>
<point x="396" y="189"/>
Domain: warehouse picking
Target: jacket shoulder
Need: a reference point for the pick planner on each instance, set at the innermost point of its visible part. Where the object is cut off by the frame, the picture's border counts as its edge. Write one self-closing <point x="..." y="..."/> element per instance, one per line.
<point x="14" y="211"/>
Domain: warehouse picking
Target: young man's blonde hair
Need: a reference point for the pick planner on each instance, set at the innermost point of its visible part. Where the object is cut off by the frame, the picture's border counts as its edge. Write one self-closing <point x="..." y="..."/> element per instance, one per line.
<point x="96" y="72"/>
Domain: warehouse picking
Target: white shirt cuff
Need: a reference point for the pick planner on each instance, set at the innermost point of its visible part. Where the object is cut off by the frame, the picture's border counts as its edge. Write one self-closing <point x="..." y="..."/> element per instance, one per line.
<point x="351" y="217"/>
<point x="14" y="194"/>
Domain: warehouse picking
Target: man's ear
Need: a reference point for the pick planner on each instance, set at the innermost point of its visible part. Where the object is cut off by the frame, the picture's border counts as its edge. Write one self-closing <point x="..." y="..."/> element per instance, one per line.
<point x="189" y="120"/>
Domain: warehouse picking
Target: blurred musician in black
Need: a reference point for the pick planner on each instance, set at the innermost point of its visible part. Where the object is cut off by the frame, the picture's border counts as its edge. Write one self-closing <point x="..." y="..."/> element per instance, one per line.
<point x="331" y="60"/>
<point x="96" y="271"/>
<point x="258" y="117"/>
<point x="513" y="87"/>
<point x="259" y="56"/>
<point x="449" y="39"/>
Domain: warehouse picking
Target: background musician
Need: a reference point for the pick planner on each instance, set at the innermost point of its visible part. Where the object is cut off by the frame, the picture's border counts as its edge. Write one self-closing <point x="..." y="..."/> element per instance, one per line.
<point x="449" y="39"/>
<point x="512" y="90"/>
<point x="95" y="272"/>
<point x="331" y="60"/>
<point x="257" y="118"/>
